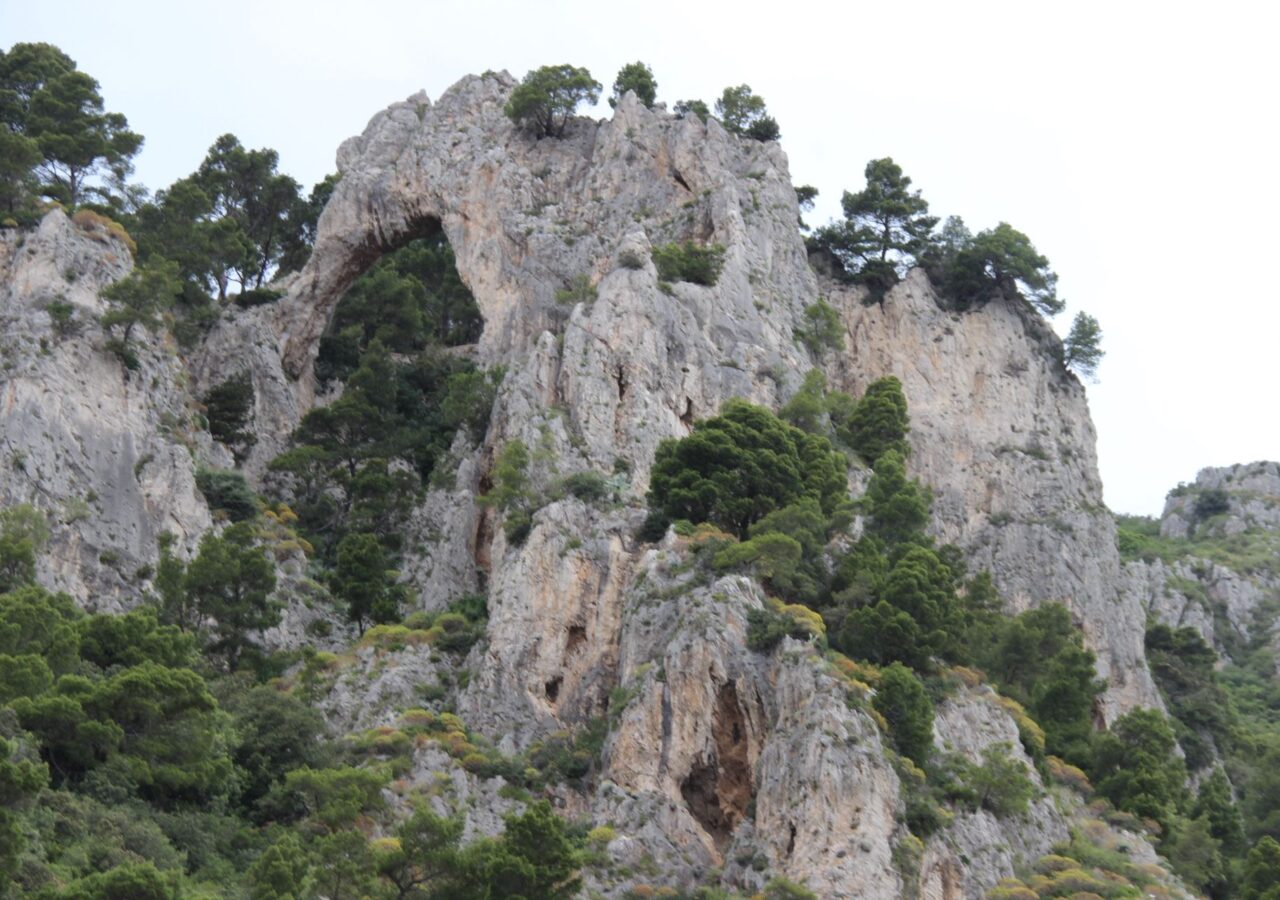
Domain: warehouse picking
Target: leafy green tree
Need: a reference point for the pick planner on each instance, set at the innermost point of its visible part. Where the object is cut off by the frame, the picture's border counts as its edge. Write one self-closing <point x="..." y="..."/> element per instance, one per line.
<point x="138" y="300"/>
<point x="172" y="735"/>
<point x="807" y="409"/>
<point x="231" y="580"/>
<point x="424" y="861"/>
<point x="1262" y="871"/>
<point x="281" y="872"/>
<point x="902" y="700"/>
<point x="1001" y="783"/>
<point x="1214" y="803"/>
<point x="898" y="507"/>
<point x="23" y="533"/>
<point x="20" y="781"/>
<point x="245" y="189"/>
<point x="335" y="797"/>
<point x="132" y="638"/>
<point x="128" y="881"/>
<point x="1184" y="668"/>
<point x="638" y="78"/>
<point x="737" y="467"/>
<point x="547" y="97"/>
<point x="822" y="329"/>
<point x="227" y="409"/>
<point x="915" y="618"/>
<point x="36" y="622"/>
<point x="19" y="156"/>
<point x="879" y="422"/>
<point x="304" y="220"/>
<point x="344" y="865"/>
<point x="275" y="734"/>
<point x="886" y="226"/>
<point x="536" y="857"/>
<point x="1082" y="347"/>
<point x="360" y="579"/>
<point x="1001" y="262"/>
<point x="1135" y="766"/>
<point x="1195" y="855"/>
<point x="743" y="113"/>
<point x="1039" y="659"/>
<point x="685" y="108"/>
<point x="226" y="490"/>
<point x="46" y="101"/>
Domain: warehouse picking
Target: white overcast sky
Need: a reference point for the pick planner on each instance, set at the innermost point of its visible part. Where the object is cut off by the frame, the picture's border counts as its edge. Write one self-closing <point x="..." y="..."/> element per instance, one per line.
<point x="1135" y="143"/>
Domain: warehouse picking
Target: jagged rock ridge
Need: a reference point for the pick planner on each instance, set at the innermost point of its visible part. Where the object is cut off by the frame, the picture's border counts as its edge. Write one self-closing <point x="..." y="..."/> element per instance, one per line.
<point x="718" y="755"/>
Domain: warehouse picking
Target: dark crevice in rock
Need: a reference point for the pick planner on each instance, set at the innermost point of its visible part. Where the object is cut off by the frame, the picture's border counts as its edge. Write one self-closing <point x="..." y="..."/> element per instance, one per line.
<point x="577" y="637"/>
<point x="620" y="378"/>
<point x="718" y="790"/>
<point x="686" y="418"/>
<point x="552" y="688"/>
<point x="791" y="839"/>
<point x="679" y="179"/>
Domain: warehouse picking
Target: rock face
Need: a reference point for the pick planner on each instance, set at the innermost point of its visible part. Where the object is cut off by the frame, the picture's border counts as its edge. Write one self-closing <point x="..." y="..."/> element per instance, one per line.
<point x="1225" y="597"/>
<point x="106" y="454"/>
<point x="1253" y="494"/>
<point x="719" y="761"/>
<point x="1002" y="433"/>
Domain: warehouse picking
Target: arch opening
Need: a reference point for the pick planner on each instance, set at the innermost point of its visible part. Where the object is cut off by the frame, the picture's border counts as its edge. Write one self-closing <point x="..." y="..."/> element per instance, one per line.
<point x="395" y="354"/>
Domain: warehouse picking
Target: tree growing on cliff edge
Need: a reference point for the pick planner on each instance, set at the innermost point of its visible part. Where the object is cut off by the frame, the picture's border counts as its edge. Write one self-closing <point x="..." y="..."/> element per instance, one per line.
<point x="638" y="78"/>
<point x="547" y="97"/>
<point x="743" y="113"/>
<point x="1082" y="347"/>
<point x="1000" y="262"/>
<point x="885" y="229"/>
<point x="44" y="98"/>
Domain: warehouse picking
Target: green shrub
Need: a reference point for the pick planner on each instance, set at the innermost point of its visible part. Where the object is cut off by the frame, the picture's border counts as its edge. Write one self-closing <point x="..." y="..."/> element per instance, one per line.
<point x="630" y="259"/>
<point x="739" y="466"/>
<point x="227" y="407"/>
<point x="580" y="290"/>
<point x="227" y="490"/>
<point x="907" y="710"/>
<point x="689" y="262"/>
<point x="256" y="297"/>
<point x="62" y="316"/>
<point x="822" y="329"/>
<point x="588" y="486"/>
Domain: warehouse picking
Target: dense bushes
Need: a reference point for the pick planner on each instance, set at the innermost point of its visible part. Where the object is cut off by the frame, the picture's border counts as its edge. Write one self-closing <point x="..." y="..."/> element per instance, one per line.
<point x="738" y="467"/>
<point x="689" y="262"/>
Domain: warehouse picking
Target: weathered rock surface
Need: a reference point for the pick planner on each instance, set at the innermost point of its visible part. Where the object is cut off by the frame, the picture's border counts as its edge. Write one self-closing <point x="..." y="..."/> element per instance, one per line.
<point x="105" y="453"/>
<point x="721" y="763"/>
<point x="1002" y="433"/>
<point x="1253" y="492"/>
<point x="1222" y="598"/>
<point x="979" y="848"/>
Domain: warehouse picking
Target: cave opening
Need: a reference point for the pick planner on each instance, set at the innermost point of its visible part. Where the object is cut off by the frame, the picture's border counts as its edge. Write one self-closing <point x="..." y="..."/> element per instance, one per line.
<point x="719" y="787"/>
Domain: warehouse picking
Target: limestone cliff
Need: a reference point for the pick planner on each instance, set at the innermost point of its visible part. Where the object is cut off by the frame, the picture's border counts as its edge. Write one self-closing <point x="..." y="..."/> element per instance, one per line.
<point x="105" y="453"/>
<point x="720" y="763"/>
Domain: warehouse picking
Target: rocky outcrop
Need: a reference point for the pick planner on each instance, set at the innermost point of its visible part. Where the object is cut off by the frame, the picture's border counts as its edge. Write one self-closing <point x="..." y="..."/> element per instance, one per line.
<point x="979" y="848"/>
<point x="720" y="763"/>
<point x="1224" y="596"/>
<point x="1002" y="433"/>
<point x="1252" y="492"/>
<point x="105" y="453"/>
